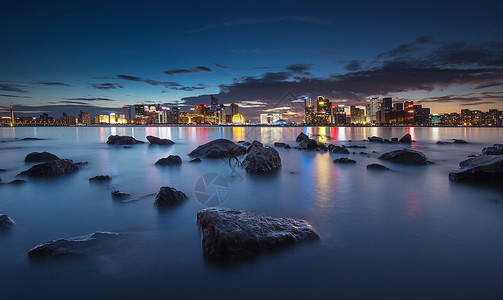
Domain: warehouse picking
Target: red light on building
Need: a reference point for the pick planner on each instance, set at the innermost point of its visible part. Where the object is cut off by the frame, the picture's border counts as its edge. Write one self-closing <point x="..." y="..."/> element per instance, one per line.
<point x="411" y="111"/>
<point x="410" y="105"/>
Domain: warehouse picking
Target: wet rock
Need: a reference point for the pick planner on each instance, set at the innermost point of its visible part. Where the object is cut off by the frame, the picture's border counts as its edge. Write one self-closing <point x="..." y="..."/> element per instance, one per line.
<point x="40" y="157"/>
<point x="122" y="140"/>
<point x="229" y="234"/>
<point x="480" y="169"/>
<point x="100" y="178"/>
<point x="244" y="143"/>
<point x="322" y="147"/>
<point x="459" y="141"/>
<point x="378" y="167"/>
<point x="287" y="146"/>
<point x="496" y="149"/>
<point x="344" y="161"/>
<point x="355" y="146"/>
<point x="262" y="160"/>
<point x="363" y="153"/>
<point x="218" y="148"/>
<point x="195" y="160"/>
<point x="31" y="139"/>
<point x="340" y="150"/>
<point x="169" y="161"/>
<point x="279" y="145"/>
<point x="17" y="182"/>
<point x="406" y="139"/>
<point x="51" y="169"/>
<point x="157" y="141"/>
<point x="394" y="140"/>
<point x="301" y="137"/>
<point x="168" y="196"/>
<point x="81" y="164"/>
<point x="255" y="143"/>
<point x="78" y="246"/>
<point x="308" y="144"/>
<point x="376" y="139"/>
<point x="405" y="156"/>
<point x="5" y="221"/>
<point x="3" y="170"/>
<point x="118" y="195"/>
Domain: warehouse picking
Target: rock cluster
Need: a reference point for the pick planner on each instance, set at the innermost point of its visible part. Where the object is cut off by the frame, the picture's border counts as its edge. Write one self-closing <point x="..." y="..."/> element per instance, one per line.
<point x="480" y="169"/>
<point x="496" y="149"/>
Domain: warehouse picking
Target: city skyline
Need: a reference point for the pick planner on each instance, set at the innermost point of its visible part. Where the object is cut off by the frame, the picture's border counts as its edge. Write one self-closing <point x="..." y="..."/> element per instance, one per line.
<point x="67" y="57"/>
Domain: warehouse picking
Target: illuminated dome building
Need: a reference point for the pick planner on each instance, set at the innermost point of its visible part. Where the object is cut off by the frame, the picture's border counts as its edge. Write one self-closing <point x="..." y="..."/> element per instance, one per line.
<point x="238" y="119"/>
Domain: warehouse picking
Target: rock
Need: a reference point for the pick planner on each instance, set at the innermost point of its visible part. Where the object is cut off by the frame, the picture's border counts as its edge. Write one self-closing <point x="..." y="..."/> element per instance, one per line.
<point x="244" y="143"/>
<point x="78" y="246"/>
<point x="363" y="153"/>
<point x="378" y="167"/>
<point x="280" y="145"/>
<point x="120" y="195"/>
<point x="344" y="161"/>
<point x="376" y="139"/>
<point x="355" y="146"/>
<point x="262" y="160"/>
<point x="81" y="164"/>
<point x="5" y="221"/>
<point x="169" y="196"/>
<point x="17" y="182"/>
<point x="340" y="150"/>
<point x="301" y="137"/>
<point x="405" y="156"/>
<point x="322" y="146"/>
<point x="195" y="160"/>
<point x="51" y="169"/>
<point x="3" y="170"/>
<point x="230" y="234"/>
<point x="480" y="169"/>
<point x="255" y="143"/>
<point x="31" y="139"/>
<point x="218" y="148"/>
<point x="394" y="140"/>
<point x="169" y="161"/>
<point x="157" y="141"/>
<point x="122" y="140"/>
<point x="308" y="144"/>
<point x="100" y="178"/>
<point x="287" y="146"/>
<point x="459" y="141"/>
<point x="496" y="149"/>
<point x="40" y="157"/>
<point x="406" y="139"/>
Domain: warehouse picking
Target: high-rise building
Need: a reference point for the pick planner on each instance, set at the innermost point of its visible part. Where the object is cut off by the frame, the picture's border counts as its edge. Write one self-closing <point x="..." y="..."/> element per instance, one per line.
<point x="373" y="108"/>
<point x="309" y="111"/>
<point x="12" y="120"/>
<point x="323" y="105"/>
<point x="126" y="110"/>
<point x="357" y="115"/>
<point x="175" y="115"/>
<point x="139" y="110"/>
<point x="234" y="109"/>
<point x="213" y="103"/>
<point x="466" y="116"/>
<point x="385" y="112"/>
<point x="85" y="118"/>
<point x="338" y="115"/>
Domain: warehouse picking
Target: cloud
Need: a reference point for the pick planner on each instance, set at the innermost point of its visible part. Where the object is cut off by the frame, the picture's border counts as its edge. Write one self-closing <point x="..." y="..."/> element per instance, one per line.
<point x="353" y="65"/>
<point x="106" y="86"/>
<point x="51" y="83"/>
<point x="187" y="71"/>
<point x="14" y="96"/>
<point x="488" y="85"/>
<point x="253" y="21"/>
<point x="167" y="84"/>
<point x="300" y="69"/>
<point x="282" y="50"/>
<point x="9" y="87"/>
<point x="89" y="99"/>
<point x="408" y="48"/>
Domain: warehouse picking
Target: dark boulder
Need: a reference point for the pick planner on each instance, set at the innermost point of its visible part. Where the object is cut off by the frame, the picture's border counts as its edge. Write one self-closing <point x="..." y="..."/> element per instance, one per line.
<point x="169" y="161"/>
<point x="394" y="140"/>
<point x="262" y="160"/>
<point x="340" y="150"/>
<point x="279" y="145"/>
<point x="363" y="153"/>
<point x="5" y="221"/>
<point x="322" y="147"/>
<point x="455" y="141"/>
<point x="301" y="137"/>
<point x="255" y="143"/>
<point x="376" y="139"/>
<point x="406" y="139"/>
<point x="168" y="196"/>
<point x="378" y="167"/>
<point x="118" y="195"/>
<point x="308" y="144"/>
<point x="480" y="169"/>
<point x="405" y="156"/>
<point x="496" y="149"/>
<point x="230" y="234"/>
<point x="17" y="182"/>
<point x="122" y="140"/>
<point x="355" y="146"/>
<point x="195" y="160"/>
<point x="287" y="146"/>
<point x="31" y="139"/>
<point x="157" y="141"/>
<point x="40" y="157"/>
<point x="344" y="161"/>
<point x="218" y="148"/>
<point x="3" y="170"/>
<point x="51" y="169"/>
<point x="100" y="178"/>
<point x="78" y="246"/>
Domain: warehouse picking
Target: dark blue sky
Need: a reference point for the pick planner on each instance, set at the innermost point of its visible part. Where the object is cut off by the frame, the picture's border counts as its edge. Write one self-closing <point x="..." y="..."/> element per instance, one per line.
<point x="100" y="55"/>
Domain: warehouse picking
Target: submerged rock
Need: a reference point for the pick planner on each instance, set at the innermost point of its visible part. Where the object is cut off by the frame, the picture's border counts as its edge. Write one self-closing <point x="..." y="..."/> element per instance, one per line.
<point x="355" y="146"/>
<point x="230" y="233"/>
<point x="301" y="137"/>
<point x="280" y="145"/>
<point x="496" y="149"/>
<point x="406" y="139"/>
<point x="169" y="161"/>
<point x="480" y="169"/>
<point x="376" y="139"/>
<point x="122" y="140"/>
<point x="405" y="156"/>
<point x="17" y="182"/>
<point x="195" y="160"/>
<point x="339" y="149"/>
<point x="308" y="144"/>
<point x="31" y="139"/>
<point x="118" y="195"/>
<point x="262" y="160"/>
<point x="344" y="161"/>
<point x="169" y="196"/>
<point x="51" y="169"/>
<point x="455" y="141"/>
<point x="78" y="246"/>
<point x="218" y="148"/>
<point x="100" y="178"/>
<point x="158" y="141"/>
<point x="40" y="157"/>
<point x="378" y="167"/>
<point x="5" y="221"/>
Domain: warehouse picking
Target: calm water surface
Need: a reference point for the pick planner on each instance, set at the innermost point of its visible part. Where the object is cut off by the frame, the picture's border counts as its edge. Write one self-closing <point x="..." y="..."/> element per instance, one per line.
<point x="408" y="233"/>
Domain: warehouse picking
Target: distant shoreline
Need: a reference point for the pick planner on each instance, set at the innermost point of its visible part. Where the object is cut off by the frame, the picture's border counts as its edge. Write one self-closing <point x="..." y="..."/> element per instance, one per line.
<point x="258" y="125"/>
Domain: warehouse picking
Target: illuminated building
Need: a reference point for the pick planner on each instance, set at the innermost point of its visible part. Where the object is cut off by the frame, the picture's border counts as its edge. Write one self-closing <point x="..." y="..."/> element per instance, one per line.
<point x="323" y="105"/>
<point x="269" y="118"/>
<point x="12" y="120"/>
<point x="175" y="115"/>
<point x="384" y="114"/>
<point x="308" y="110"/>
<point x="357" y="115"/>
<point x="234" y="109"/>
<point x="466" y="117"/>
<point x="213" y="103"/>
<point x="139" y="110"/>
<point x="126" y="110"/>
<point x="238" y="119"/>
<point x="338" y="115"/>
<point x="84" y="118"/>
<point x="373" y="108"/>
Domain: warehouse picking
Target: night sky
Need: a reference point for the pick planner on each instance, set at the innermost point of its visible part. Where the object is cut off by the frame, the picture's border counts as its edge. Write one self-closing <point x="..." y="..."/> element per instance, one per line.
<point x="98" y="56"/>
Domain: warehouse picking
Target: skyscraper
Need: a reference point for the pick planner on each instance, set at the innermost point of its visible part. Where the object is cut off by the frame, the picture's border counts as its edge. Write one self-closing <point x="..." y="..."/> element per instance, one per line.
<point x="175" y="115"/>
<point x="386" y="108"/>
<point x="214" y="103"/>
<point x="373" y="108"/>
<point x="323" y="105"/>
<point x="126" y="110"/>
<point x="234" y="109"/>
<point x="12" y="120"/>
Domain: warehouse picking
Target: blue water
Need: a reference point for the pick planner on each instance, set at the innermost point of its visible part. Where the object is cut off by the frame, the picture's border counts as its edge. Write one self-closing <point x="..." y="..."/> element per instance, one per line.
<point x="408" y="233"/>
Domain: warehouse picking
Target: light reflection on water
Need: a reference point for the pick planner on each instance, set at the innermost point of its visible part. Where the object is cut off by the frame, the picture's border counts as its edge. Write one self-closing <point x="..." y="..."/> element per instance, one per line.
<point x="396" y="233"/>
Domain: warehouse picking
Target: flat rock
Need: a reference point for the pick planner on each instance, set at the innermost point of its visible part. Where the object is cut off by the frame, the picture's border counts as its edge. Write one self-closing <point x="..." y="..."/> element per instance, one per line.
<point x="78" y="246"/>
<point x="262" y="160"/>
<point x="169" y="161"/>
<point x="120" y="195"/>
<point x="496" y="149"/>
<point x="5" y="221"/>
<point x="218" y="148"/>
<point x="31" y="139"/>
<point x="344" y="161"/>
<point x="406" y="139"/>
<point x="100" y="178"/>
<point x="122" y="140"/>
<point x="405" y="156"/>
<point x="17" y="182"/>
<point x="168" y="196"/>
<point x="51" y="169"/>
<point x="480" y="169"/>
<point x="230" y="233"/>
<point x="40" y="157"/>
<point x="158" y="141"/>
<point x="376" y="139"/>
<point x="377" y="167"/>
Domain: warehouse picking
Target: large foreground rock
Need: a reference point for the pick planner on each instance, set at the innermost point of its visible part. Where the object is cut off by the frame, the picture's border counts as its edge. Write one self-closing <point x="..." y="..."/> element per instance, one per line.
<point x="230" y="233"/>
<point x="122" y="140"/>
<point x="40" y="157"/>
<point x="405" y="156"/>
<point x="51" y="169"/>
<point x="5" y="221"/>
<point x="78" y="246"/>
<point x="218" y="148"/>
<point x="262" y="160"/>
<point x="169" y="196"/>
<point x="157" y="141"/>
<point x="480" y="169"/>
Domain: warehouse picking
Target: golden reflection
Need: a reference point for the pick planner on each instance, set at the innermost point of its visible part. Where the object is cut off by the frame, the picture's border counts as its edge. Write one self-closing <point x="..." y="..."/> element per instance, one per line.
<point x="238" y="133"/>
<point x="322" y="185"/>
